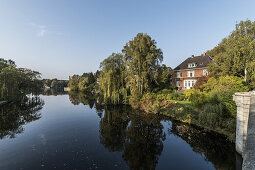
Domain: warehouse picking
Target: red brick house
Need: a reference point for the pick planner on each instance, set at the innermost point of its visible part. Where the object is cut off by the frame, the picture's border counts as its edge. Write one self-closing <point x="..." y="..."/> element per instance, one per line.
<point x="189" y="71"/>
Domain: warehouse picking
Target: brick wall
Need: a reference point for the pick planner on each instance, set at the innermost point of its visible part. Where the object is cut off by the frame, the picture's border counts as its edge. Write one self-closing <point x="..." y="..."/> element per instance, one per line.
<point x="184" y="76"/>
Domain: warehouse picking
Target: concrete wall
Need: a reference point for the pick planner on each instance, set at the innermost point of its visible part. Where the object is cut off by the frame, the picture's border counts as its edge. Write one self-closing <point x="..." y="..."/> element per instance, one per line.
<point x="243" y="100"/>
<point x="249" y="150"/>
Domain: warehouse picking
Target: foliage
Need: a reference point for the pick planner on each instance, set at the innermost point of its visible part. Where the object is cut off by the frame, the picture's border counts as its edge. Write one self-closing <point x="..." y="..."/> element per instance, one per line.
<point x="200" y="82"/>
<point x="212" y="115"/>
<point x="225" y="84"/>
<point x="218" y="91"/>
<point x="55" y="84"/>
<point x="235" y="55"/>
<point x="16" y="82"/>
<point x="176" y="96"/>
<point x="142" y="60"/>
<point x="112" y="79"/>
<point x="163" y="78"/>
<point x="87" y="82"/>
<point x="150" y="103"/>
<point x="73" y="83"/>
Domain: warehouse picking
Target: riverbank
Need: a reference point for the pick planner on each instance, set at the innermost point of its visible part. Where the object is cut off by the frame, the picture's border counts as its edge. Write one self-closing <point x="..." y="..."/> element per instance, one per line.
<point x="185" y="112"/>
<point x="189" y="114"/>
<point x="173" y="107"/>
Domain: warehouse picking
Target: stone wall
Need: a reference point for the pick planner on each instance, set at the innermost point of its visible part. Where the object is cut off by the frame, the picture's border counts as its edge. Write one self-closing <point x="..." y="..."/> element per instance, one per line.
<point x="249" y="150"/>
<point x="243" y="100"/>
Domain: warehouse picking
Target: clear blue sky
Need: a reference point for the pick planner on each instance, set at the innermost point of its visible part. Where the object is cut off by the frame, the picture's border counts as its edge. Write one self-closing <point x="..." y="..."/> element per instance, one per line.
<point x="64" y="37"/>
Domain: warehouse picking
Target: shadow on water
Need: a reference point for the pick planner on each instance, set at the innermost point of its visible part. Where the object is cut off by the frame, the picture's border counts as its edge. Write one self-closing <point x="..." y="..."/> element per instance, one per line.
<point x="213" y="147"/>
<point x="14" y="116"/>
<point x="140" y="137"/>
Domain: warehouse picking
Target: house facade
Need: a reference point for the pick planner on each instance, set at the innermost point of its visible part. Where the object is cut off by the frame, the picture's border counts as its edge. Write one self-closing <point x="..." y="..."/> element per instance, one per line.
<point x="189" y="71"/>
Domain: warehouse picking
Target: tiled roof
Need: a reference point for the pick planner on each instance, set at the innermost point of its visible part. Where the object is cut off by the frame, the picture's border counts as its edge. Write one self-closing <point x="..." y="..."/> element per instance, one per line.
<point x="200" y="61"/>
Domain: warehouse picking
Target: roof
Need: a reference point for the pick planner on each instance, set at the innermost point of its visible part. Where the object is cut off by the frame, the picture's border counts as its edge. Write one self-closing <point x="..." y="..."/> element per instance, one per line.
<point x="201" y="62"/>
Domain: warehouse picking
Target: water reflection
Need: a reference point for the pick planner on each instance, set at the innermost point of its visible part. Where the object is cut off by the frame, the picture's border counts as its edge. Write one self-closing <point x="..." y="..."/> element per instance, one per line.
<point x="213" y="147"/>
<point x="140" y="137"/>
<point x="104" y="137"/>
<point x="14" y="116"/>
<point x="53" y="92"/>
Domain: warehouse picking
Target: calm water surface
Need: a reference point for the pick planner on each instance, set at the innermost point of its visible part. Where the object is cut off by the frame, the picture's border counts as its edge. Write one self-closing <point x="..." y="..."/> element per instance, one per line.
<point x="73" y="132"/>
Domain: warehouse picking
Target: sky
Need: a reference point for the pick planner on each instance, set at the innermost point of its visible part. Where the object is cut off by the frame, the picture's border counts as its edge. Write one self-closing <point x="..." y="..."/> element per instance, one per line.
<point x="60" y="38"/>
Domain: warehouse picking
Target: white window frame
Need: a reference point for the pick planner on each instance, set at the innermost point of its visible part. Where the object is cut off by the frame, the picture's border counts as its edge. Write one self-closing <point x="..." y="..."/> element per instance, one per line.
<point x="178" y="74"/>
<point x="191" y="65"/>
<point x="188" y="84"/>
<point x="205" y="72"/>
<point x="193" y="73"/>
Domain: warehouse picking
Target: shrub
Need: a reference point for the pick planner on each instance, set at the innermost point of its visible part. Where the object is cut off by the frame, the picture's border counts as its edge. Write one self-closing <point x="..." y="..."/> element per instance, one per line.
<point x="150" y="103"/>
<point x="225" y="84"/>
<point x="195" y="96"/>
<point x="212" y="115"/>
<point x="176" y="96"/>
<point x="200" y="82"/>
<point x="188" y="93"/>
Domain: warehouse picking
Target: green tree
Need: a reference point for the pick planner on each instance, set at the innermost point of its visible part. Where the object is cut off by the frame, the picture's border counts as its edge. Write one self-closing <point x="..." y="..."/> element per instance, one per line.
<point x="112" y="79"/>
<point x="235" y="55"/>
<point x="73" y="82"/>
<point x="15" y="82"/>
<point x="142" y="60"/>
<point x="164" y="77"/>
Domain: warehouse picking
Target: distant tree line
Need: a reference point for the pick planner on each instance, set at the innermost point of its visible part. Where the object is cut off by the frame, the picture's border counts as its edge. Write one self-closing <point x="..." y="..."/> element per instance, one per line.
<point x="87" y="82"/>
<point x="55" y="84"/>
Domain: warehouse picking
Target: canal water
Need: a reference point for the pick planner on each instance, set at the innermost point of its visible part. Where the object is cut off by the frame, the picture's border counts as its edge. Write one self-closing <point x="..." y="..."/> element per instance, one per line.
<point x="74" y="132"/>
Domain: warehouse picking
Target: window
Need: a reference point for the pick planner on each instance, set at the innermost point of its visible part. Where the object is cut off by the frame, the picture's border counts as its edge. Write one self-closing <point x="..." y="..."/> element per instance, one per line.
<point x="191" y="73"/>
<point x="188" y="84"/>
<point x="193" y="83"/>
<point x="191" y="65"/>
<point x="178" y="83"/>
<point x="205" y="72"/>
<point x="178" y="74"/>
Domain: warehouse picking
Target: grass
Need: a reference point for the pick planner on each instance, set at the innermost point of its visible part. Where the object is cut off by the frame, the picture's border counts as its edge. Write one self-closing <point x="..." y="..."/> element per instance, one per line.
<point x="180" y="102"/>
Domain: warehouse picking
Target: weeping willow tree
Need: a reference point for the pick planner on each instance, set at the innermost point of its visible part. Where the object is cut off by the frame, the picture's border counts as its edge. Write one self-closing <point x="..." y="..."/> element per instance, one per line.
<point x="142" y="60"/>
<point x="112" y="79"/>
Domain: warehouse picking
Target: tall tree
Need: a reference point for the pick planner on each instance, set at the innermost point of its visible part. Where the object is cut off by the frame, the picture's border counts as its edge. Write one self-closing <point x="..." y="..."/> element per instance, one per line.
<point x="73" y="82"/>
<point x="112" y="79"/>
<point x="142" y="59"/>
<point x="235" y="55"/>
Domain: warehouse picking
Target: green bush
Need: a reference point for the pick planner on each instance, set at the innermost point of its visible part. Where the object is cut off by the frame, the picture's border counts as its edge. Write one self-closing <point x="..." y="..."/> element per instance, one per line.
<point x="176" y="96"/>
<point x="212" y="115"/>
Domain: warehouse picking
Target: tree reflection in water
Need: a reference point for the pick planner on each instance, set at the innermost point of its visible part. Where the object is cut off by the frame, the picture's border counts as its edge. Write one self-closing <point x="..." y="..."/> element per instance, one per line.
<point x="214" y="147"/>
<point x="14" y="116"/>
<point x="140" y="136"/>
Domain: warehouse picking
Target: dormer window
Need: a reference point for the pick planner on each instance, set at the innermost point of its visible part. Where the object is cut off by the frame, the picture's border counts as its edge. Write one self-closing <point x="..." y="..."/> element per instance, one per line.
<point x="191" y="65"/>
